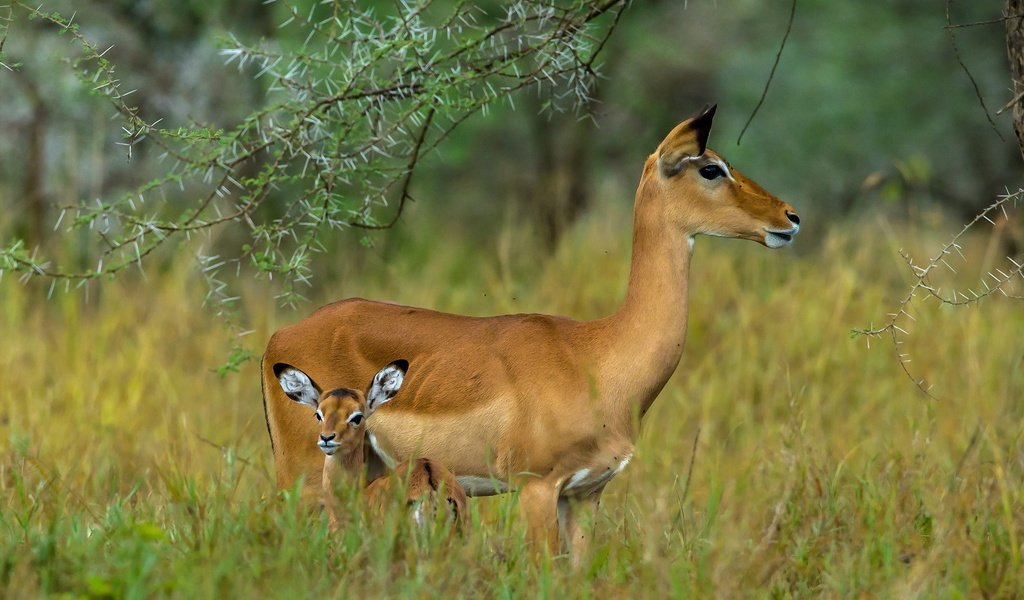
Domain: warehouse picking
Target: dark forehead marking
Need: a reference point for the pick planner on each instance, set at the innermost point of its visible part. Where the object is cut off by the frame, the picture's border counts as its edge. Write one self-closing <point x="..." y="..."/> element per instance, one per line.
<point x="343" y="393"/>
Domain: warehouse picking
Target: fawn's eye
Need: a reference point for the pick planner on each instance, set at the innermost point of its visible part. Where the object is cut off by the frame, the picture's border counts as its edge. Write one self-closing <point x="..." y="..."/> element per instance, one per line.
<point x="711" y="172"/>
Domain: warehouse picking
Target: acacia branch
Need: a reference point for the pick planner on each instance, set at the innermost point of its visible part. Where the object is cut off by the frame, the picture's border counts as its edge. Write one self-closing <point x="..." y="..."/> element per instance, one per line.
<point x="349" y="116"/>
<point x="895" y="327"/>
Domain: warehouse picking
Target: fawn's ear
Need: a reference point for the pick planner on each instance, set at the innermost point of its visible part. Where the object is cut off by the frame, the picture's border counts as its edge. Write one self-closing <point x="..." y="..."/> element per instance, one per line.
<point x="386" y="384"/>
<point x="686" y="140"/>
<point x="297" y="385"/>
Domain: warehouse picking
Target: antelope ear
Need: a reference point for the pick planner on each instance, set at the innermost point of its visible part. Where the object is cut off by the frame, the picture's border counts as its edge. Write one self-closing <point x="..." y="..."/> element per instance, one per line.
<point x="386" y="384"/>
<point x="686" y="140"/>
<point x="297" y="385"/>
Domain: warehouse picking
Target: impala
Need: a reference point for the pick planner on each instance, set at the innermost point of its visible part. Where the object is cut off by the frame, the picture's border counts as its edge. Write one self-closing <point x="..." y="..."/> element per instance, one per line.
<point x="546" y="405"/>
<point x="342" y="413"/>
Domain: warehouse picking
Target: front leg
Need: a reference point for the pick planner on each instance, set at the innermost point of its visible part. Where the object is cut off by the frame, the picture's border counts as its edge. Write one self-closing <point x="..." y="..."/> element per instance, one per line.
<point x="577" y="517"/>
<point x="537" y="501"/>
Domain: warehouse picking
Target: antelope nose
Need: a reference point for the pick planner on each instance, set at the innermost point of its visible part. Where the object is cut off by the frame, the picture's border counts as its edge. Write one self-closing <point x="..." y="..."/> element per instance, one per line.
<point x="793" y="217"/>
<point x="327" y="438"/>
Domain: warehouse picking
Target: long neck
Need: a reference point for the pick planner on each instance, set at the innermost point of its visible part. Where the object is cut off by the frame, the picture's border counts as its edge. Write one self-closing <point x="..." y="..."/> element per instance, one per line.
<point x="647" y="333"/>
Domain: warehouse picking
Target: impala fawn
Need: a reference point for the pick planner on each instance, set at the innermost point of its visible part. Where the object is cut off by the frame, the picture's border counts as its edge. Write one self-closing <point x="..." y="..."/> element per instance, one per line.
<point x="342" y="414"/>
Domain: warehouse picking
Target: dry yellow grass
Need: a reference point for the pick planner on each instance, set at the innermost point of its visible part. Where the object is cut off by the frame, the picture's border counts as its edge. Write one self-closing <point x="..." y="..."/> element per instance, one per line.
<point x="129" y="468"/>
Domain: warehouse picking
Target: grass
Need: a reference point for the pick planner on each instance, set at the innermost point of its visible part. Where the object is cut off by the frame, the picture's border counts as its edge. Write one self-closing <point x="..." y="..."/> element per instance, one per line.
<point x="129" y="468"/>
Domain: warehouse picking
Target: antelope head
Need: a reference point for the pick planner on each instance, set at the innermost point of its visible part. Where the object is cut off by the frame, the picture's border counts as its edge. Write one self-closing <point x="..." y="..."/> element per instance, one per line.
<point x="342" y="412"/>
<point x="703" y="194"/>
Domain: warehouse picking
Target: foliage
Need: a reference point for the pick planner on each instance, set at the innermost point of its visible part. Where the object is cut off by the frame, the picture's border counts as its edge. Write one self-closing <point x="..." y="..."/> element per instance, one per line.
<point x="129" y="469"/>
<point x="350" y="111"/>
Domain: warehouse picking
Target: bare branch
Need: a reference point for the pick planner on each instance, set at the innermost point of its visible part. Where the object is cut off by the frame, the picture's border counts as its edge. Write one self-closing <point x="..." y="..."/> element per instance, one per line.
<point x="960" y="61"/>
<point x="771" y="75"/>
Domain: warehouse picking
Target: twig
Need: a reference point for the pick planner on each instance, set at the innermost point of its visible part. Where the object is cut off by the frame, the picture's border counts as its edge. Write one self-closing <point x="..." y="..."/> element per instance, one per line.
<point x="990" y="22"/>
<point x="959" y="60"/>
<point x="771" y="75"/>
<point x="410" y="170"/>
<point x="1009" y="104"/>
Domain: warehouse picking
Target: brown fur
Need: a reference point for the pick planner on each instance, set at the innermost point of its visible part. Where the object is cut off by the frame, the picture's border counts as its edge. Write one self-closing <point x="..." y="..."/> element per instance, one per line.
<point x="425" y="480"/>
<point x="529" y="399"/>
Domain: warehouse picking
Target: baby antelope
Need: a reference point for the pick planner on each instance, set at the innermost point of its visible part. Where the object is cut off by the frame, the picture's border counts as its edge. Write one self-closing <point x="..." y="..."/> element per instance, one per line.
<point x="342" y="414"/>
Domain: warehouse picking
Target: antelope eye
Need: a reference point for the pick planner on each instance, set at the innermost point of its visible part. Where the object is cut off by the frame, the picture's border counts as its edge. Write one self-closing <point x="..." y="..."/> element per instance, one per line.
<point x="319" y="417"/>
<point x="711" y="172"/>
<point x="355" y="419"/>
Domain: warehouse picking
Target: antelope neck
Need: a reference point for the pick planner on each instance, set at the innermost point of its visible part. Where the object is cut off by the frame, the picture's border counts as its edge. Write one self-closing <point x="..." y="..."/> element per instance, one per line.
<point x="646" y="335"/>
<point x="346" y="461"/>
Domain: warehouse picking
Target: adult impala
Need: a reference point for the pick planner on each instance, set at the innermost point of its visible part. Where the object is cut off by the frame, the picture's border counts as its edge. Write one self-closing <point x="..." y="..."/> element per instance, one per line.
<point x="539" y="403"/>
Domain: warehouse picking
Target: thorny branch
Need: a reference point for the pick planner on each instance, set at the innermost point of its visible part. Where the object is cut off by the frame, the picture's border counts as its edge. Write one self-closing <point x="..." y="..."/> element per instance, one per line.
<point x="349" y="117"/>
<point x="996" y="280"/>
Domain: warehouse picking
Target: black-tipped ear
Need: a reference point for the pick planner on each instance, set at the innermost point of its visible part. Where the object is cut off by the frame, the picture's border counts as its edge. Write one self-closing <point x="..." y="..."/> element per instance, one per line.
<point x="297" y="385"/>
<point x="701" y="125"/>
<point x="386" y="384"/>
<point x="687" y="140"/>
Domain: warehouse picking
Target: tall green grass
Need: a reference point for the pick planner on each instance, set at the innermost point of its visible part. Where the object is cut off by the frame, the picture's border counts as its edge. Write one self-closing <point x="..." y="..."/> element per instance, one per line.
<point x="129" y="468"/>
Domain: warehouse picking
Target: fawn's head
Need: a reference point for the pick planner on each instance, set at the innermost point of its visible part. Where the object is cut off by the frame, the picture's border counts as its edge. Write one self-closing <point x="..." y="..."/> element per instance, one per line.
<point x="342" y="412"/>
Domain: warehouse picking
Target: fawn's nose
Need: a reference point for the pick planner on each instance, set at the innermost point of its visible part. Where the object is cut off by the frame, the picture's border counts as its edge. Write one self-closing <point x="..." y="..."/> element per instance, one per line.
<point x="793" y="217"/>
<point x="327" y="438"/>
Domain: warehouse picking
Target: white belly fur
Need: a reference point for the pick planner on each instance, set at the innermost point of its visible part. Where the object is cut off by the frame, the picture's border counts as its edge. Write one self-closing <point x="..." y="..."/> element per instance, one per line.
<point x="587" y="480"/>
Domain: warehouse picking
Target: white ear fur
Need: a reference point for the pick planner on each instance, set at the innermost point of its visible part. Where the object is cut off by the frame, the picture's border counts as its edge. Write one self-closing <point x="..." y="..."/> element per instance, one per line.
<point x="299" y="387"/>
<point x="386" y="384"/>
